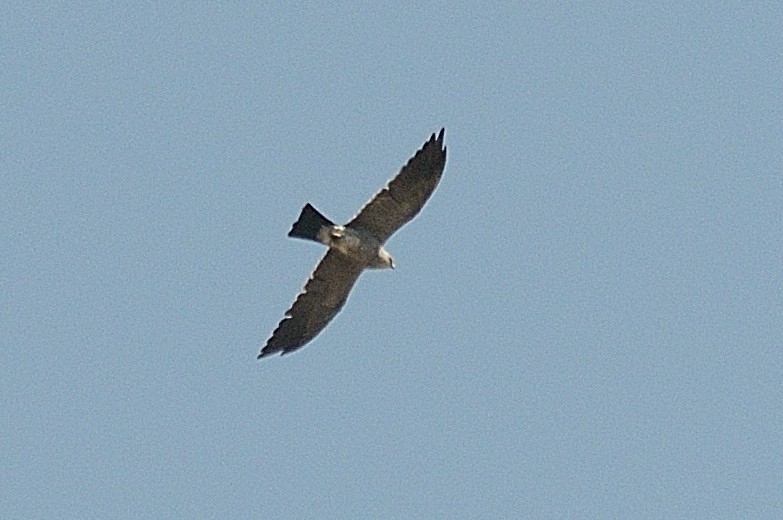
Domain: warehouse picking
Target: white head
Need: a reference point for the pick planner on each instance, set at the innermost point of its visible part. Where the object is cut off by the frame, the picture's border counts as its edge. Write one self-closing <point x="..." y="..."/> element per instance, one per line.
<point x="384" y="260"/>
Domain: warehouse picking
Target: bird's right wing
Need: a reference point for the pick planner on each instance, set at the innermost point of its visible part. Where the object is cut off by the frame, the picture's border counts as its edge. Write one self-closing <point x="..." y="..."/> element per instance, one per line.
<point x="404" y="196"/>
<point x="323" y="296"/>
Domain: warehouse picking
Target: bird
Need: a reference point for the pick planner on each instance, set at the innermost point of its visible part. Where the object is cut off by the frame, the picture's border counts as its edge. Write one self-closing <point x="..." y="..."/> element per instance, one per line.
<point x="355" y="246"/>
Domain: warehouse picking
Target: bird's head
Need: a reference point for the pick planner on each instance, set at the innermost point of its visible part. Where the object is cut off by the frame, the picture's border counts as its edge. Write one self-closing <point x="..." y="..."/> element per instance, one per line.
<point x="385" y="259"/>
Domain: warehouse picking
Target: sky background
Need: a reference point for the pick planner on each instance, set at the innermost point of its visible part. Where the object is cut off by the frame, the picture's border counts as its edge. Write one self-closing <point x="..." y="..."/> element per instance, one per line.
<point x="585" y="321"/>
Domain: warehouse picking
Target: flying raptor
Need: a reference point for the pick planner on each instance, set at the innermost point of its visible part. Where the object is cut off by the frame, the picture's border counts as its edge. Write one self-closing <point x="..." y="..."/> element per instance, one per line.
<point x="354" y="247"/>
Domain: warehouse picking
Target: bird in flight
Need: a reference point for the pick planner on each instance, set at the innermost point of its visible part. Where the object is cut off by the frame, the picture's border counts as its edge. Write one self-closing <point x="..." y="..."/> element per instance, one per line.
<point x="354" y="247"/>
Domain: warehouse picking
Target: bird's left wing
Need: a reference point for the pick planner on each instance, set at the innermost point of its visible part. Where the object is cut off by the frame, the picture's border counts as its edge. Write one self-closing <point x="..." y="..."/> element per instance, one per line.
<point x="323" y="296"/>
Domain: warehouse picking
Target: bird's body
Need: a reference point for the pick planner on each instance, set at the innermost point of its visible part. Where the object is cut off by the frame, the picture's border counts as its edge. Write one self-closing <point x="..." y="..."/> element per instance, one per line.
<point x="356" y="246"/>
<point x="363" y="247"/>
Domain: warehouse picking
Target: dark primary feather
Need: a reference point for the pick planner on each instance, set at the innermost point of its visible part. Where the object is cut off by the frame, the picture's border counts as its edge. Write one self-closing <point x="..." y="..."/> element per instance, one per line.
<point x="405" y="194"/>
<point x="323" y="296"/>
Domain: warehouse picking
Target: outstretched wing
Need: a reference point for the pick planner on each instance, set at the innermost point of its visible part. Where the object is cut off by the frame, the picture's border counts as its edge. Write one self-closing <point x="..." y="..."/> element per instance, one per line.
<point x="323" y="296"/>
<point x="403" y="197"/>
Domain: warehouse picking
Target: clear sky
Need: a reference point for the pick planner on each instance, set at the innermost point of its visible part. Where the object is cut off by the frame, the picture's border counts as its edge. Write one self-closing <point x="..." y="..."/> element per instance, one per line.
<point x="585" y="321"/>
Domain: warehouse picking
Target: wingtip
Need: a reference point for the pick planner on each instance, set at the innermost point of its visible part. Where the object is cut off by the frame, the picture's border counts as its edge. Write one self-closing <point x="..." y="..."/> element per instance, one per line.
<point x="439" y="140"/>
<point x="266" y="351"/>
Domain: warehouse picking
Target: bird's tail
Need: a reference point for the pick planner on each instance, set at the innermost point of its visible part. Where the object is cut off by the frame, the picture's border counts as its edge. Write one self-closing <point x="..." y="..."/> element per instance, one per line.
<point x="309" y="224"/>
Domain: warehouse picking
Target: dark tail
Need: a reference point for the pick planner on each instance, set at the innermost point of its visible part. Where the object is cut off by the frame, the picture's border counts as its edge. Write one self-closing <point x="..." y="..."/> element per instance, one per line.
<point x="309" y="224"/>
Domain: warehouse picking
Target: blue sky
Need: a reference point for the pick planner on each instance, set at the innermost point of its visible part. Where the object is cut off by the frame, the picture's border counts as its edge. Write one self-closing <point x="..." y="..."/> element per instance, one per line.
<point x="585" y="320"/>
